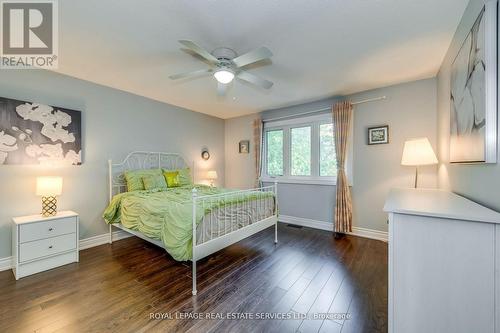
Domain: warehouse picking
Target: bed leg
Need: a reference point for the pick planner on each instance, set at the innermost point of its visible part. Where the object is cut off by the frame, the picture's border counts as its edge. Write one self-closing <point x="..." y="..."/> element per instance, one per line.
<point x="276" y="232"/>
<point x="276" y="212"/>
<point x="110" y="234"/>
<point x="194" y="278"/>
<point x="193" y="260"/>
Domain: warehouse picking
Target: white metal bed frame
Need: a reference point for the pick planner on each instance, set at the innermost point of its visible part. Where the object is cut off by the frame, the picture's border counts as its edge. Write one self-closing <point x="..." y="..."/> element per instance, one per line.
<point x="172" y="161"/>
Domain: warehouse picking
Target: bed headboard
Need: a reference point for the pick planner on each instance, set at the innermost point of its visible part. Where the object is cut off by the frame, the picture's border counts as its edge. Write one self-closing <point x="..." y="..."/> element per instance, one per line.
<point x="141" y="160"/>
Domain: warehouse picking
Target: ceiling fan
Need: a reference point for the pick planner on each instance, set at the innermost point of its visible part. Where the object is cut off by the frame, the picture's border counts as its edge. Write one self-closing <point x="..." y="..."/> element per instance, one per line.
<point x="226" y="65"/>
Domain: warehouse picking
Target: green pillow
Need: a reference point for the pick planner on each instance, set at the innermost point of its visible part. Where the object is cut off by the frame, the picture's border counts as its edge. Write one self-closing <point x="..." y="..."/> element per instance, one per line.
<point x="134" y="178"/>
<point x="172" y="178"/>
<point x="154" y="182"/>
<point x="184" y="176"/>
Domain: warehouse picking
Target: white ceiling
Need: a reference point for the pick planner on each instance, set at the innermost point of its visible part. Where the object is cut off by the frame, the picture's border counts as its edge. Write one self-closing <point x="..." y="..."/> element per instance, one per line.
<point x="321" y="47"/>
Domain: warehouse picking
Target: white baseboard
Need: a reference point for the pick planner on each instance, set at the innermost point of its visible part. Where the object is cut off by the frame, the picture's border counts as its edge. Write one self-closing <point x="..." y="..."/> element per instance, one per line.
<point x="102" y="239"/>
<point x="370" y="233"/>
<point x="6" y="263"/>
<point x="322" y="225"/>
<point x="306" y="222"/>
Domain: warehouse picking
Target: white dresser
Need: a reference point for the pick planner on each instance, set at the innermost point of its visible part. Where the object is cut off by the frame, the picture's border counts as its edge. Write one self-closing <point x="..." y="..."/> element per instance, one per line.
<point x="41" y="243"/>
<point x="444" y="263"/>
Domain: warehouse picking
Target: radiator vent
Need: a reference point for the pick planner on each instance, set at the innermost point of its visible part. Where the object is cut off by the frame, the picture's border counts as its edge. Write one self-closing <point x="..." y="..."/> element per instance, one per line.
<point x="294" y="226"/>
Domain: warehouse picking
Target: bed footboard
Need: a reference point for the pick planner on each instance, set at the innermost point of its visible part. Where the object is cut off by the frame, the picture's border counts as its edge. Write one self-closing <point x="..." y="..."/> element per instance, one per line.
<point x="240" y="215"/>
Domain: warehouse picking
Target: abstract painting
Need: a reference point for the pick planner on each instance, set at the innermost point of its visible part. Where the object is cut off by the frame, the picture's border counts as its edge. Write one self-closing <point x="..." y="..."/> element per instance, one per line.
<point x="33" y="133"/>
<point x="473" y="131"/>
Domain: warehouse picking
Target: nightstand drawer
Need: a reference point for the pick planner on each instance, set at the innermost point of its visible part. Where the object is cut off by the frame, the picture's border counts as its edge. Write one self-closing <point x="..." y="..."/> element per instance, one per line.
<point x="46" y="247"/>
<point x="41" y="230"/>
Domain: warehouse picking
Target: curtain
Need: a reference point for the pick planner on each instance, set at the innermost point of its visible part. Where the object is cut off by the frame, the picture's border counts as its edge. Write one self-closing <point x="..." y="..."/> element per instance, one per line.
<point x="342" y="117"/>
<point x="257" y="144"/>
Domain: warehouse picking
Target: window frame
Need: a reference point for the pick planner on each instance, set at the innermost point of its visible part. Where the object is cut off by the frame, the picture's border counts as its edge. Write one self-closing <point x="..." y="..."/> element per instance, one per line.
<point x="286" y="126"/>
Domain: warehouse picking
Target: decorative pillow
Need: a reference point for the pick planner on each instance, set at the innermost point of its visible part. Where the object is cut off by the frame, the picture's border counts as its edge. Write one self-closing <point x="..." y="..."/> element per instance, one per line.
<point x="184" y="176"/>
<point x="172" y="178"/>
<point x="134" y="178"/>
<point x="154" y="182"/>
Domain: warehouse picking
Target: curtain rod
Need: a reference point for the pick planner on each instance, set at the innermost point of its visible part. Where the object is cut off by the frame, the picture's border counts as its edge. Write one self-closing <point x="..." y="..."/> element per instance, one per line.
<point x="328" y="108"/>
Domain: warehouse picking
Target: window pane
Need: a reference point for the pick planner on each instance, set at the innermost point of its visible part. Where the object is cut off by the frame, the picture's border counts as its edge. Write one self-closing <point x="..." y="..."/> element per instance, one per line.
<point x="301" y="151"/>
<point x="275" y="153"/>
<point x="327" y="159"/>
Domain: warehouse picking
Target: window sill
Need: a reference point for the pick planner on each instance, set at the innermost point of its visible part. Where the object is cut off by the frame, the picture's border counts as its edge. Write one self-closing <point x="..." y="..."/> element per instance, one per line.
<point x="286" y="180"/>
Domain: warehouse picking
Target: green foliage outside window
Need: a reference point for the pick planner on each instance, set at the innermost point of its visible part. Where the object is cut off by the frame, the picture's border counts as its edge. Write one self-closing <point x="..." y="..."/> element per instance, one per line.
<point x="327" y="156"/>
<point x="275" y="153"/>
<point x="301" y="141"/>
<point x="301" y="151"/>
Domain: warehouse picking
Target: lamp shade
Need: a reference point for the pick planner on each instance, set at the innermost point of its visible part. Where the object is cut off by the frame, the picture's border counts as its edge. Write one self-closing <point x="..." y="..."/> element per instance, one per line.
<point x="418" y="152"/>
<point x="224" y="76"/>
<point x="49" y="186"/>
<point x="212" y="174"/>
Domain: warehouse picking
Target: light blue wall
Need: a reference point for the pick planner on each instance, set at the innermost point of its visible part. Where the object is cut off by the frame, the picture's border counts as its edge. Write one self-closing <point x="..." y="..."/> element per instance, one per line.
<point x="410" y="111"/>
<point x="313" y="202"/>
<point x="114" y="123"/>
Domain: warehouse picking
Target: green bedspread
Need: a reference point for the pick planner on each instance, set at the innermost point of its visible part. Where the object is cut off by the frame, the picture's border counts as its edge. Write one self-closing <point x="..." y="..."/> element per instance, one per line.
<point x="167" y="214"/>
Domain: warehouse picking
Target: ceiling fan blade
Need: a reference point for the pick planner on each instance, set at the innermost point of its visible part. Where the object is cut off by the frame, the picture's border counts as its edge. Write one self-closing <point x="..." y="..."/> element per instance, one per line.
<point x="253" y="56"/>
<point x="245" y="76"/>
<point x="191" y="74"/>
<point x="198" y="49"/>
<point x="221" y="89"/>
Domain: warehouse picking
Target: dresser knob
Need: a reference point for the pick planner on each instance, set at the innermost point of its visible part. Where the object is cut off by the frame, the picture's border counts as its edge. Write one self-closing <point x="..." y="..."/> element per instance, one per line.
<point x="50" y="247"/>
<point x="51" y="229"/>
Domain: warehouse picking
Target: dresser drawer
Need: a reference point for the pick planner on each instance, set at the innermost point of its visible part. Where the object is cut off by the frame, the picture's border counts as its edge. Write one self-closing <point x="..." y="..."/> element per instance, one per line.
<point x="35" y="231"/>
<point x="46" y="247"/>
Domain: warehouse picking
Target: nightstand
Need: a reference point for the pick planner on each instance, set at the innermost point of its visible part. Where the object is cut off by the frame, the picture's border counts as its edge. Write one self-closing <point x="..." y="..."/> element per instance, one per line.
<point x="42" y="243"/>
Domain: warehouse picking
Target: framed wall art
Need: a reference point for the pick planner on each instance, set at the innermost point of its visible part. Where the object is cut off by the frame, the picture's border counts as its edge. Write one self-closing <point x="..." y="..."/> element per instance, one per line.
<point x="473" y="95"/>
<point x="33" y="133"/>
<point x="378" y="135"/>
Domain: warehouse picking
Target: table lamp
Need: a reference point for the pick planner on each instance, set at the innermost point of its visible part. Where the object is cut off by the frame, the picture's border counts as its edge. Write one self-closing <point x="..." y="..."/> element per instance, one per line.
<point x="418" y="152"/>
<point x="212" y="176"/>
<point x="48" y="188"/>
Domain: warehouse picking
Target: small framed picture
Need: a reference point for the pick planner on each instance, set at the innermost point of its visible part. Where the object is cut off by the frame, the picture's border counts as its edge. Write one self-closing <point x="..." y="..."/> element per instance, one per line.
<point x="378" y="135"/>
<point x="244" y="147"/>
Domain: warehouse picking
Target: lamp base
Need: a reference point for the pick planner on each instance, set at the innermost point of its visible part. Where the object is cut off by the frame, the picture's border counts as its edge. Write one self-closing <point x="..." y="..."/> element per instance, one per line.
<point x="49" y="206"/>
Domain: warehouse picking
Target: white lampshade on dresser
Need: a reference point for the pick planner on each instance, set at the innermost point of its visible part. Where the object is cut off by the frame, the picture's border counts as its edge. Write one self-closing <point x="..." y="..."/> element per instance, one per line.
<point x="48" y="188"/>
<point x="418" y="152"/>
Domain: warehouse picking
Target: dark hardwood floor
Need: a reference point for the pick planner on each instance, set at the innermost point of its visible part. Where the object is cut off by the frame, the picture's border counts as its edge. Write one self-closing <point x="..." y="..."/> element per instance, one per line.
<point x="119" y="287"/>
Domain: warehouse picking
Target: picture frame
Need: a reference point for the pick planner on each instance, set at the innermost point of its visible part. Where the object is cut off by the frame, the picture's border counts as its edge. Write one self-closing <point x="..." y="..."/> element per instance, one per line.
<point x="378" y="135"/>
<point x="473" y="92"/>
<point x="244" y="147"/>
<point x="33" y="133"/>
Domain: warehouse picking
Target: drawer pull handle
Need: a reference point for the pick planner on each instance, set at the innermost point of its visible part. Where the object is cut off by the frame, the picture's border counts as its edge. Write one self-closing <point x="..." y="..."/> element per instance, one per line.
<point x="51" y="229"/>
<point x="50" y="247"/>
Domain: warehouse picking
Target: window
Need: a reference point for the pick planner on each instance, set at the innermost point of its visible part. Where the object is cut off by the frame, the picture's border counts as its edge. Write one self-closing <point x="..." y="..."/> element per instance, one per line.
<point x="274" y="140"/>
<point x="327" y="157"/>
<point x="301" y="150"/>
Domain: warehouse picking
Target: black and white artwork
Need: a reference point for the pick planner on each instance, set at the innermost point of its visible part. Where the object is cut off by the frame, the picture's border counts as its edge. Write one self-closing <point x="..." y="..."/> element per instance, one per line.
<point x="378" y="135"/>
<point x="473" y="132"/>
<point x="33" y="133"/>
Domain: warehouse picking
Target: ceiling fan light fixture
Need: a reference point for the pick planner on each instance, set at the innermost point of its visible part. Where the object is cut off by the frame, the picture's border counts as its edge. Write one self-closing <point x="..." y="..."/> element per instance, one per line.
<point x="224" y="76"/>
